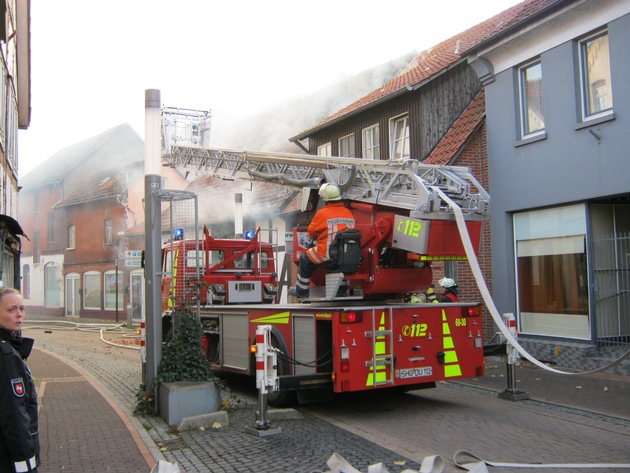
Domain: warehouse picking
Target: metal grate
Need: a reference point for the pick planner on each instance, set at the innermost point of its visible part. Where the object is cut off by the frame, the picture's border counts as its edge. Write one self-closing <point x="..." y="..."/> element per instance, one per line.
<point x="611" y="270"/>
<point x="180" y="222"/>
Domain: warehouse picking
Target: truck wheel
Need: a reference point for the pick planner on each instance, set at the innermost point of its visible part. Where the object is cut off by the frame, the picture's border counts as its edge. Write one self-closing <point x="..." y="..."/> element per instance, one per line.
<point x="281" y="398"/>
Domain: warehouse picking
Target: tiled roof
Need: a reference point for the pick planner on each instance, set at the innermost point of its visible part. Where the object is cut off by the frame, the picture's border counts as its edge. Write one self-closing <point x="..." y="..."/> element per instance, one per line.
<point x="126" y="147"/>
<point x="435" y="60"/>
<point x="98" y="185"/>
<point x="460" y="132"/>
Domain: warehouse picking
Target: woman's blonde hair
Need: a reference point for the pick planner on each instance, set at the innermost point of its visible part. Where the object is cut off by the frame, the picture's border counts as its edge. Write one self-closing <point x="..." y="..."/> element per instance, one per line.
<point x="8" y="290"/>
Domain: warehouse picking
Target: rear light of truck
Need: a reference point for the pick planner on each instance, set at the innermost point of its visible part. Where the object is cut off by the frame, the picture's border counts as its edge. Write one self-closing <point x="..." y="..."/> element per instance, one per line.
<point x="474" y="311"/>
<point x="345" y="359"/>
<point x="351" y="317"/>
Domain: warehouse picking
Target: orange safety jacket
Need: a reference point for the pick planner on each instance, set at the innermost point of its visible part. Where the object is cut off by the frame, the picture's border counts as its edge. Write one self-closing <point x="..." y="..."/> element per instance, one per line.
<point x="328" y="221"/>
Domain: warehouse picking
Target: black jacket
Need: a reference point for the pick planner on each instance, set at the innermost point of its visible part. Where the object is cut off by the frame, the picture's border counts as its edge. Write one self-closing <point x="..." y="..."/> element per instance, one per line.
<point x="19" y="430"/>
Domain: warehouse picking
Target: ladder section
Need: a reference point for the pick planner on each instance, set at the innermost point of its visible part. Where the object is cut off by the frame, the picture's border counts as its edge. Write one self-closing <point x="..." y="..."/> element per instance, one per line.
<point x="382" y="363"/>
<point x="405" y="184"/>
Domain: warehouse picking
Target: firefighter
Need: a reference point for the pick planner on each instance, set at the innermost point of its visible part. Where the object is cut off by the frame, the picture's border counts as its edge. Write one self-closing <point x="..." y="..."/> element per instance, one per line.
<point x="430" y="295"/>
<point x="327" y="222"/>
<point x="19" y="430"/>
<point x="450" y="290"/>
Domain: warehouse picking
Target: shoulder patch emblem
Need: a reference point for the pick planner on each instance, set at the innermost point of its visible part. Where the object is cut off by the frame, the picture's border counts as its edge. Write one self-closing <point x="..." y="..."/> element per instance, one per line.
<point x="17" y="385"/>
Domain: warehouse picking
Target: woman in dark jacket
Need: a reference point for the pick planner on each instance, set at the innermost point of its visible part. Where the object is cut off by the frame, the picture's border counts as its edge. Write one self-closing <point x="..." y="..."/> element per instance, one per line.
<point x="19" y="431"/>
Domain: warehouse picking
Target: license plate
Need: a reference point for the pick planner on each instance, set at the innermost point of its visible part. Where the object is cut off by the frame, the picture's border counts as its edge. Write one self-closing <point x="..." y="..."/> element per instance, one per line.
<point x="414" y="372"/>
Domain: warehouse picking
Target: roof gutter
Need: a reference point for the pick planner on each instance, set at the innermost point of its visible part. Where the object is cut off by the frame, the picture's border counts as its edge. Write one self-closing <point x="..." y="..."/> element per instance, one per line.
<point x="559" y="5"/>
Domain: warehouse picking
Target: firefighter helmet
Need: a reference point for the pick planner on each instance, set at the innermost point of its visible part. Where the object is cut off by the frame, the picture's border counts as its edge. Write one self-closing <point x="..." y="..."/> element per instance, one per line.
<point x="447" y="282"/>
<point x="329" y="192"/>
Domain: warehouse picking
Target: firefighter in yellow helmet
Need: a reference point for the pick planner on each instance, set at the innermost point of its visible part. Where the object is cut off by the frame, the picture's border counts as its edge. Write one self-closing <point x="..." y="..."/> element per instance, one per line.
<point x="327" y="222"/>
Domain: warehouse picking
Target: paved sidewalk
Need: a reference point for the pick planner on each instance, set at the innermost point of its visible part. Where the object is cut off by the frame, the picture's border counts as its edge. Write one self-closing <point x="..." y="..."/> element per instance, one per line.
<point x="603" y="392"/>
<point x="81" y="428"/>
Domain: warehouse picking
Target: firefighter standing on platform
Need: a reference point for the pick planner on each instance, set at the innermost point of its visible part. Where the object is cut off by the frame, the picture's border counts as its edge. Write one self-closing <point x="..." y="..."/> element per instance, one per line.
<point x="19" y="430"/>
<point x="327" y="222"/>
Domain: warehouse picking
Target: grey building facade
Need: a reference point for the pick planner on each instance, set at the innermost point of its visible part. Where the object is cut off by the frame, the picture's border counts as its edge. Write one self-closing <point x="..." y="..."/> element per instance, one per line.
<point x="558" y="121"/>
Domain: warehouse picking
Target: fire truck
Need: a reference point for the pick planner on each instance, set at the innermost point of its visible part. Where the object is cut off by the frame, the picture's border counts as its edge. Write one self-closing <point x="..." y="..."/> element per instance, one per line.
<point x="217" y="271"/>
<point x="369" y="338"/>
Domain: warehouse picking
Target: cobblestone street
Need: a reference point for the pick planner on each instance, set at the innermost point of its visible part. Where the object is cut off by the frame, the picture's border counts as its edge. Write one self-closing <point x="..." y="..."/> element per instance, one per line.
<point x="399" y="430"/>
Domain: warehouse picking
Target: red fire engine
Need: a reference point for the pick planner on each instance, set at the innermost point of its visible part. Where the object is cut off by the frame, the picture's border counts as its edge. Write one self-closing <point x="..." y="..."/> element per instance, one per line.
<point x="368" y="339"/>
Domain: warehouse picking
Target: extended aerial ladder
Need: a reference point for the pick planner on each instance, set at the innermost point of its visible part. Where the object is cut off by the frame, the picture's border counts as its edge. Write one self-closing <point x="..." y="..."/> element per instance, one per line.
<point x="401" y="184"/>
<point x="406" y="184"/>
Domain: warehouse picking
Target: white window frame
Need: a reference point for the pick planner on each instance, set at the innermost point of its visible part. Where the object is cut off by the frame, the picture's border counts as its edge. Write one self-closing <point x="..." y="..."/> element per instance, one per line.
<point x="325" y="149"/>
<point x="97" y="286"/>
<point x="525" y="100"/>
<point x="72" y="236"/>
<point x="4" y="91"/>
<point x="585" y="81"/>
<point x="371" y="143"/>
<point x="346" y="146"/>
<point x="552" y="231"/>
<point x="109" y="289"/>
<point x="108" y="234"/>
<point x="399" y="137"/>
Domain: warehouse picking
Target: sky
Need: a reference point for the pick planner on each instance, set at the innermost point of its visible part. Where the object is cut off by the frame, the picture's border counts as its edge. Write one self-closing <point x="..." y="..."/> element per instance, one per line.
<point x="92" y="60"/>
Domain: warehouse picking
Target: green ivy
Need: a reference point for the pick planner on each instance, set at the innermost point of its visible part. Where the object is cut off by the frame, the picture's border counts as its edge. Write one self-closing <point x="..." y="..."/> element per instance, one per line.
<point x="182" y="356"/>
<point x="182" y="359"/>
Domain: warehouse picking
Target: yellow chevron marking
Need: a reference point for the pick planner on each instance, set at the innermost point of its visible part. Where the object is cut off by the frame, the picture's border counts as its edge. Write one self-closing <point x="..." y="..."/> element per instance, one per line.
<point x="280" y="318"/>
<point x="451" y="361"/>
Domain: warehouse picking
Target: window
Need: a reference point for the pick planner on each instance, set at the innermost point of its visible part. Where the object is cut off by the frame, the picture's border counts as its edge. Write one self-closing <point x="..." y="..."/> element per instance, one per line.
<point x="247" y="261"/>
<point x="8" y="275"/>
<point x="595" y="82"/>
<point x="52" y="285"/>
<point x="371" y="143"/>
<point x="346" y="146"/>
<point x="108" y="237"/>
<point x="324" y="150"/>
<point x="51" y="227"/>
<point x="12" y="130"/>
<point x="26" y="281"/>
<point x="35" y="202"/>
<point x="531" y="99"/>
<point x="191" y="258"/>
<point x="399" y="137"/>
<point x="551" y="271"/>
<point x="111" y="283"/>
<point x="4" y="91"/>
<point x="92" y="290"/>
<point x="216" y="257"/>
<point x="36" y="253"/>
<point x="71" y="236"/>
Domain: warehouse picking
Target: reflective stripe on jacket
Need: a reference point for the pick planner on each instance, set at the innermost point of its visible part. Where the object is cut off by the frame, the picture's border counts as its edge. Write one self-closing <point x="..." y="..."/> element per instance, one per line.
<point x="328" y="221"/>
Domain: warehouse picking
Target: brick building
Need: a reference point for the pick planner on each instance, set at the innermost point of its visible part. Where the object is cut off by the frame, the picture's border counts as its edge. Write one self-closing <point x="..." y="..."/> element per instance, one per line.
<point x="76" y="207"/>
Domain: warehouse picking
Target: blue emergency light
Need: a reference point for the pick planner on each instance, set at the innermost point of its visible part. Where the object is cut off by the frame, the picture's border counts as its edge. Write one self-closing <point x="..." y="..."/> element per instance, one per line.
<point x="249" y="234"/>
<point x="178" y="234"/>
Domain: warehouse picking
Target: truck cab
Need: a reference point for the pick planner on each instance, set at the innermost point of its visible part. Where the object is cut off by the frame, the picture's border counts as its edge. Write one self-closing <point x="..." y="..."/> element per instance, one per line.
<point x="218" y="271"/>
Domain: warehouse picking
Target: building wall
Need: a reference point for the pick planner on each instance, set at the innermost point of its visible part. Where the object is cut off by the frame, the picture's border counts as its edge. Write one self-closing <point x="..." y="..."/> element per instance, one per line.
<point x="432" y="109"/>
<point x="569" y="165"/>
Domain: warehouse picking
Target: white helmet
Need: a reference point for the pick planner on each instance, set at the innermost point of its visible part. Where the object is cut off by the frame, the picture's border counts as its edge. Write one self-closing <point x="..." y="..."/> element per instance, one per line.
<point x="329" y="192"/>
<point x="447" y="282"/>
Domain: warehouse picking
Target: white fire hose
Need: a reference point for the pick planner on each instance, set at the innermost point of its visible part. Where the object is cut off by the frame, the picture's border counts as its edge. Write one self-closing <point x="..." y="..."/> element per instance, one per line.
<point x="464" y="460"/>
